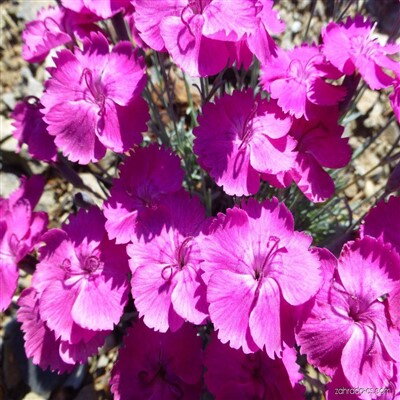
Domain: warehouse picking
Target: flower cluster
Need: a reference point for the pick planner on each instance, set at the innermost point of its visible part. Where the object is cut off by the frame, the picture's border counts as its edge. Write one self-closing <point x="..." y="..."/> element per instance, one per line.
<point x="224" y="298"/>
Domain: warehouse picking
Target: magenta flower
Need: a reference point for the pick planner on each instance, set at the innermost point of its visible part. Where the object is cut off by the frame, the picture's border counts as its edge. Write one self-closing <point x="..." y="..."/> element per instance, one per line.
<point x="231" y="374"/>
<point x="240" y="137"/>
<point x="135" y="206"/>
<point x="103" y="9"/>
<point x="319" y="144"/>
<point x="260" y="41"/>
<point x="383" y="221"/>
<point x="349" y="326"/>
<point x="82" y="277"/>
<point x="191" y="30"/>
<point x="41" y="343"/>
<point x="155" y="365"/>
<point x="32" y="130"/>
<point x="20" y="231"/>
<point x="92" y="101"/>
<point x="301" y="72"/>
<point x="255" y="266"/>
<point x="350" y="47"/>
<point x="166" y="280"/>
<point x="53" y="27"/>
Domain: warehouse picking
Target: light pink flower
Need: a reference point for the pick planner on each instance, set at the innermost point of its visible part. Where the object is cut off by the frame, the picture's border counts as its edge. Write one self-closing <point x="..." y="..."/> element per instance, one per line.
<point x="101" y="8"/>
<point x="192" y="30"/>
<point x="92" y="100"/>
<point x="135" y="207"/>
<point x="257" y="267"/>
<point x="32" y="130"/>
<point x="350" y="47"/>
<point x="234" y="375"/>
<point x="41" y="343"/>
<point x="166" y="279"/>
<point x="349" y="326"/>
<point x="319" y="145"/>
<point x="240" y="137"/>
<point x="82" y="277"/>
<point x="20" y="231"/>
<point x="296" y="78"/>
<point x="154" y="365"/>
<point x="53" y="27"/>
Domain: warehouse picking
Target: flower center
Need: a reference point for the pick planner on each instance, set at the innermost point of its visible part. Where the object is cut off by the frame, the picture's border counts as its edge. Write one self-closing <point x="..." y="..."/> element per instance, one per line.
<point x="300" y="72"/>
<point x="95" y="89"/>
<point x="363" y="45"/>
<point x="91" y="264"/>
<point x="262" y="269"/>
<point x="182" y="254"/>
<point x="247" y="131"/>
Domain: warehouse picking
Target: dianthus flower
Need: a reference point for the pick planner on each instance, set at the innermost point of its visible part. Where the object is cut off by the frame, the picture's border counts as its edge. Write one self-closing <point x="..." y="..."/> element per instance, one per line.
<point x="92" y="100"/>
<point x="41" y="343"/>
<point x="135" y="206"/>
<point x="192" y="30"/>
<point x="255" y="266"/>
<point x="153" y="365"/>
<point x="53" y="27"/>
<point x="260" y="41"/>
<point x="296" y="79"/>
<point x="383" y="222"/>
<point x="32" y="130"/>
<point x="166" y="284"/>
<point x="20" y="231"/>
<point x="82" y="277"/>
<point x="319" y="144"/>
<point x="232" y="374"/>
<point x="350" y="326"/>
<point x="101" y="8"/>
<point x="240" y="137"/>
<point x="350" y="47"/>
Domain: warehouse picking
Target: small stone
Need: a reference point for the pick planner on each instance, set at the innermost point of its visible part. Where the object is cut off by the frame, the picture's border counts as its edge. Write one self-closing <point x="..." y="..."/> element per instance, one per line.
<point x="296" y="27"/>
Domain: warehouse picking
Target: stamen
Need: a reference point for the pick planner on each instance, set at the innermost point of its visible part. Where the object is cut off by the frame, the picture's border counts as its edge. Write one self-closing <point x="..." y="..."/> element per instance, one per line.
<point x="49" y="20"/>
<point x="185" y="22"/>
<point x="182" y="252"/>
<point x="246" y="132"/>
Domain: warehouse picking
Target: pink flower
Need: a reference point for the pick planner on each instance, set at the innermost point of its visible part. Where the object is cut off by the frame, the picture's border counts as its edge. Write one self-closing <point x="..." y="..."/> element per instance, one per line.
<point x="155" y="365"/>
<point x="383" y="221"/>
<point x="349" y="326"/>
<point x="233" y="375"/>
<point x="41" y="343"/>
<point x="319" y="144"/>
<point x="395" y="98"/>
<point x="240" y="137"/>
<point x="82" y="277"/>
<point x="53" y="27"/>
<point x="257" y="268"/>
<point x="135" y="206"/>
<point x="92" y="101"/>
<point x="350" y="46"/>
<point x="103" y="9"/>
<point x="166" y="278"/>
<point x="20" y="231"/>
<point x="192" y="30"/>
<point x="296" y="79"/>
<point x="259" y="41"/>
<point x="32" y="130"/>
